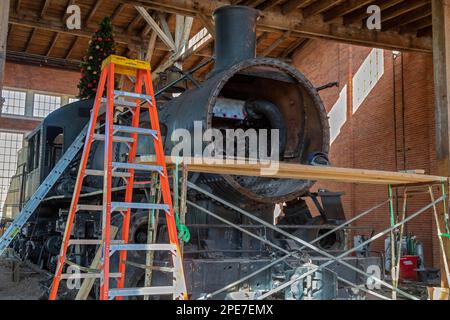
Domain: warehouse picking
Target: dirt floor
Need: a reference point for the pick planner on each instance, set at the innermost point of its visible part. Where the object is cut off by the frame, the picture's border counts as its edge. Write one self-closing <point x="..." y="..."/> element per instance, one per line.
<point x="26" y="289"/>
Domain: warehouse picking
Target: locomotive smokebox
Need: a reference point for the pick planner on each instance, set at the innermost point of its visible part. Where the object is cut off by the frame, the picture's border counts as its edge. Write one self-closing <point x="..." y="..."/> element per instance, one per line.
<point x="235" y="35"/>
<point x="247" y="93"/>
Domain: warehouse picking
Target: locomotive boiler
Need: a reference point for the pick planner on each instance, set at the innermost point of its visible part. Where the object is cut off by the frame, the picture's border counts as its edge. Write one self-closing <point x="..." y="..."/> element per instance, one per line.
<point x="241" y="92"/>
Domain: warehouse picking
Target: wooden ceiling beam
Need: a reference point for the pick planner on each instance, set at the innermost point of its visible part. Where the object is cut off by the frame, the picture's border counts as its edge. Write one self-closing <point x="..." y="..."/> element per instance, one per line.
<point x="45" y="8"/>
<point x="402" y="8"/>
<point x="274" y="21"/>
<point x="415" y="15"/>
<point x="319" y="7"/>
<point x="344" y="8"/>
<point x="119" y="9"/>
<point x="134" y="23"/>
<point x="208" y="23"/>
<point x="417" y="25"/>
<point x="360" y="14"/>
<point x="52" y="44"/>
<point x="57" y="26"/>
<point x="292" y="5"/>
<point x="269" y="4"/>
<point x="30" y="40"/>
<point x="275" y="45"/>
<point x="72" y="47"/>
<point x="161" y="34"/>
<point x="18" y="4"/>
<point x="93" y="11"/>
<point x="296" y="45"/>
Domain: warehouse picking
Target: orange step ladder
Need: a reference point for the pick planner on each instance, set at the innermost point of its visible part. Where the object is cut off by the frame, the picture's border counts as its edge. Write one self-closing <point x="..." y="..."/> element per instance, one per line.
<point x="141" y="70"/>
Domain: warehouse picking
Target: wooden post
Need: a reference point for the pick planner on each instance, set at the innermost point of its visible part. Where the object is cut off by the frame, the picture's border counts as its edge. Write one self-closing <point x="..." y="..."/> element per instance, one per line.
<point x="4" y="17"/>
<point x="441" y="62"/>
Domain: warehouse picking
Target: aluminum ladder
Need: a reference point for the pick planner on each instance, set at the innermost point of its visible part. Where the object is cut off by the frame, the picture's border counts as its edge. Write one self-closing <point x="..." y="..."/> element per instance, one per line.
<point x="42" y="191"/>
<point x="133" y="100"/>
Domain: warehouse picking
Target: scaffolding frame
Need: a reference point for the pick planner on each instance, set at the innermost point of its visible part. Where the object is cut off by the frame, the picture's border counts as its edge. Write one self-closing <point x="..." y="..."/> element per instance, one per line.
<point x="397" y="227"/>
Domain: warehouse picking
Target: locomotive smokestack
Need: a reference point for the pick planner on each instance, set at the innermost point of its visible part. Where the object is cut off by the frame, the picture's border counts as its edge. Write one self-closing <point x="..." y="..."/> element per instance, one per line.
<point x="235" y="35"/>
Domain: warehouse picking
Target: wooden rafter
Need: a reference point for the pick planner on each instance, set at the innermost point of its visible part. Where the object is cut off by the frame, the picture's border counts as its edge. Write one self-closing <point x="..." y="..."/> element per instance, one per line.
<point x="72" y="47"/>
<point x="292" y="5"/>
<point x="52" y="44"/>
<point x="45" y="8"/>
<point x="319" y="7"/>
<point x="156" y="28"/>
<point x="93" y="11"/>
<point x="207" y="23"/>
<point x="30" y="40"/>
<point x="419" y="13"/>
<point x="361" y="13"/>
<point x="18" y="4"/>
<point x="344" y="8"/>
<point x="277" y="42"/>
<point x="119" y="9"/>
<point x="293" y="47"/>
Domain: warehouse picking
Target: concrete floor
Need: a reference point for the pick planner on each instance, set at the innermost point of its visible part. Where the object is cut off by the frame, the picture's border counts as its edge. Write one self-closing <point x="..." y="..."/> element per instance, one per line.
<point x="26" y="289"/>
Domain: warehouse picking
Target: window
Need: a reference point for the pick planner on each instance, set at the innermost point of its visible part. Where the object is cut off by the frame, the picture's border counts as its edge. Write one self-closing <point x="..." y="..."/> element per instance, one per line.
<point x="45" y="104"/>
<point x="14" y="102"/>
<point x="72" y="100"/>
<point x="10" y="144"/>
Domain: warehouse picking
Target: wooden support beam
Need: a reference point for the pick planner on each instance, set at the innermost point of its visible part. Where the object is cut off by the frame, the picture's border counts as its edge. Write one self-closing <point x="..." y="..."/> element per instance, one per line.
<point x="179" y="29"/>
<point x="296" y="45"/>
<point x="133" y="23"/>
<point x="207" y="23"/>
<point x="72" y="47"/>
<point x="275" y="45"/>
<point x="441" y="63"/>
<point x="402" y="8"/>
<point x="93" y="11"/>
<point x="415" y="15"/>
<point x="4" y="15"/>
<point x="162" y="17"/>
<point x="52" y="44"/>
<point x="274" y="21"/>
<point x="319" y="7"/>
<point x="119" y="9"/>
<point x="357" y="16"/>
<point x="344" y="8"/>
<point x="58" y="26"/>
<point x="269" y="4"/>
<point x="30" y="40"/>
<point x="45" y="8"/>
<point x="292" y="5"/>
<point x="161" y="34"/>
<point x="18" y="4"/>
<point x="417" y="25"/>
<point x="188" y="22"/>
<point x="151" y="47"/>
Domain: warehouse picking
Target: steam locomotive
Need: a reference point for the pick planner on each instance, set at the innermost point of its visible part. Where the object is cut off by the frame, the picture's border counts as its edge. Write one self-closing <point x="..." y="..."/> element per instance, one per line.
<point x="241" y="92"/>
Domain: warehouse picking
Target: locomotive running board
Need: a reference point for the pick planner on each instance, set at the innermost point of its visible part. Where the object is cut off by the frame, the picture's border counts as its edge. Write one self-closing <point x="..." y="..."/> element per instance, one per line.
<point x="42" y="191"/>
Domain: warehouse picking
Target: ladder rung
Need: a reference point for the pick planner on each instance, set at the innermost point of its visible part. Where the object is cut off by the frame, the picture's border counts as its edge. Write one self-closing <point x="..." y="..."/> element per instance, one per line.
<point x="118" y="93"/>
<point x="87" y="275"/>
<point x="101" y="137"/>
<point x="142" y="131"/>
<point x="145" y="291"/>
<point x="122" y="103"/>
<point x="142" y="247"/>
<point x="135" y="166"/>
<point x="92" y="242"/>
<point x="89" y="207"/>
<point x="120" y="206"/>
<point x="101" y="173"/>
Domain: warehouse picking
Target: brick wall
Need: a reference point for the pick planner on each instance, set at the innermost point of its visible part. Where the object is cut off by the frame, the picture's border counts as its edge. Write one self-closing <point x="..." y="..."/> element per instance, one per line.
<point x="28" y="77"/>
<point x="372" y="137"/>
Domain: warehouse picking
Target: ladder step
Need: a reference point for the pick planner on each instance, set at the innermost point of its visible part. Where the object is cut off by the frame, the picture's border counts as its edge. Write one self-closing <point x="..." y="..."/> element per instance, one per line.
<point x="89" y="207"/>
<point x="93" y="242"/>
<point x="120" y="206"/>
<point x="101" y="137"/>
<point x="118" y="93"/>
<point x="101" y="173"/>
<point x="137" y="167"/>
<point x="143" y="131"/>
<point x="122" y="103"/>
<point x="142" y="247"/>
<point x="145" y="291"/>
<point x="87" y="275"/>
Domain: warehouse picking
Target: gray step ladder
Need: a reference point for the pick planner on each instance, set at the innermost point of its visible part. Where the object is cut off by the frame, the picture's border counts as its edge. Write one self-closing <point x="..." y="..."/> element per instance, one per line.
<point x="42" y="191"/>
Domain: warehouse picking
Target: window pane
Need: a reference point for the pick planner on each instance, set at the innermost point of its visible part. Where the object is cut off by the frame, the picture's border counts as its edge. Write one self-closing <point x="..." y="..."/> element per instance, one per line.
<point x="14" y="102"/>
<point x="10" y="144"/>
<point x="45" y="104"/>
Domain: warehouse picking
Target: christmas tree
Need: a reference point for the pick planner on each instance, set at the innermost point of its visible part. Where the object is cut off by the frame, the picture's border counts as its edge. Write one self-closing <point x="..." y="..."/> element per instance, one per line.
<point x="100" y="47"/>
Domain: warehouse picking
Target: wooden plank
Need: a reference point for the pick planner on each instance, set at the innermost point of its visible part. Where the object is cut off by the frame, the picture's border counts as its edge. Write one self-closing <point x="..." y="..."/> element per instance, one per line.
<point x="151" y="47"/>
<point x="161" y="34"/>
<point x="87" y="284"/>
<point x="45" y="8"/>
<point x="441" y="64"/>
<point x="300" y="172"/>
<point x="275" y="45"/>
<point x="52" y="44"/>
<point x="207" y="23"/>
<point x="4" y="16"/>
